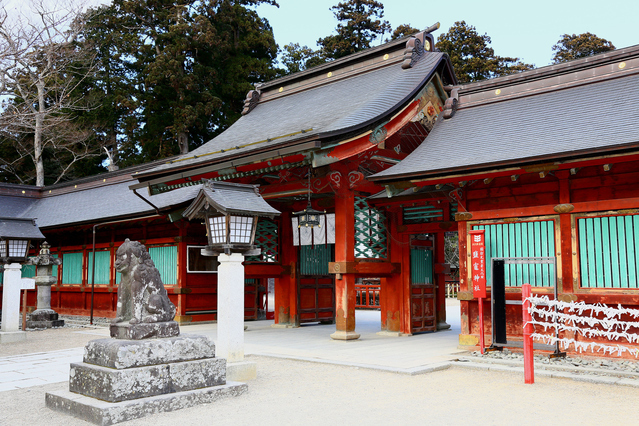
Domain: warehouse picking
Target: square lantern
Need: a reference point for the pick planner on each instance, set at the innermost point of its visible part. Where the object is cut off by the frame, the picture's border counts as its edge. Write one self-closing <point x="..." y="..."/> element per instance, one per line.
<point x="309" y="217"/>
<point x="230" y="231"/>
<point x="231" y="212"/>
<point x="15" y="238"/>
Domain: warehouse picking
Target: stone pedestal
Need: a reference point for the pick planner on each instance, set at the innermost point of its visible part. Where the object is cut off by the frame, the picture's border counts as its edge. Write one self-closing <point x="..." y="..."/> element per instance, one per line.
<point x="12" y="284"/>
<point x="124" y="330"/>
<point x="44" y="318"/>
<point x="230" y="316"/>
<point x="121" y="380"/>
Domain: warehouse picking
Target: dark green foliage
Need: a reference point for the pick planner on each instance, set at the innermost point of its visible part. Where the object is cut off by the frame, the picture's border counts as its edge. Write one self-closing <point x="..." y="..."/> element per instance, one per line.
<point x="574" y="46"/>
<point x="472" y="57"/>
<point x="297" y="58"/>
<point x="403" y="31"/>
<point x="172" y="72"/>
<point x="360" y="22"/>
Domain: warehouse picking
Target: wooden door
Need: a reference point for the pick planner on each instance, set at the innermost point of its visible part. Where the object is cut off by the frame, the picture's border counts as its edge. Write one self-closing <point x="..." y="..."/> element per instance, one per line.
<point x="422" y="292"/>
<point x="316" y="298"/>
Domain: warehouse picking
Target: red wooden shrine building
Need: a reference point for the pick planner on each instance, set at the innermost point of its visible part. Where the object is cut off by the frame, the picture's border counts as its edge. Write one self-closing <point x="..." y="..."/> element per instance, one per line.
<point x="546" y="163"/>
<point x="319" y="135"/>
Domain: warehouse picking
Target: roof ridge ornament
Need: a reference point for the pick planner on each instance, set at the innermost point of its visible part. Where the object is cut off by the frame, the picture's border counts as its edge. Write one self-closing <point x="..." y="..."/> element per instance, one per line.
<point x="417" y="45"/>
<point x="251" y="101"/>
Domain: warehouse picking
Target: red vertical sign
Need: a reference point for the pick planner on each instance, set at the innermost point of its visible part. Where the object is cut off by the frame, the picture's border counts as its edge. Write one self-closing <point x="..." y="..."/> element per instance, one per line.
<point x="478" y="263"/>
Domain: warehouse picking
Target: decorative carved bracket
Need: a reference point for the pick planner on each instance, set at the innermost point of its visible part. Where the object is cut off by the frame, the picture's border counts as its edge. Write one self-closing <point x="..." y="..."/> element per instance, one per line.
<point x="354" y="178"/>
<point x="335" y="180"/>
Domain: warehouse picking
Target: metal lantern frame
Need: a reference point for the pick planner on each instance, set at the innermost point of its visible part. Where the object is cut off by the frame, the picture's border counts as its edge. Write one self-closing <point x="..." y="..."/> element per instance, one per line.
<point x="231" y="212"/>
<point x="309" y="217"/>
<point x="230" y="232"/>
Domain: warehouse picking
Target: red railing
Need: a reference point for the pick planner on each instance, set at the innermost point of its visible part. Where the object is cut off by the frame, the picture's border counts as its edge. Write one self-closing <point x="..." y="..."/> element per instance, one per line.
<point x="367" y="296"/>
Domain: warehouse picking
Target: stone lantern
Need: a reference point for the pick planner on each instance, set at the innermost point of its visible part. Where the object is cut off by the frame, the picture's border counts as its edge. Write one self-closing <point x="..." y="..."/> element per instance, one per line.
<point x="44" y="316"/>
<point x="16" y="235"/>
<point x="231" y="212"/>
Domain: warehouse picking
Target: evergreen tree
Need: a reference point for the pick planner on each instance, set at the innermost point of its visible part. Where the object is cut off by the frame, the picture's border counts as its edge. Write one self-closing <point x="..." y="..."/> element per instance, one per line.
<point x="174" y="74"/>
<point x="574" y="46"/>
<point x="403" y="31"/>
<point x="360" y="22"/>
<point x="297" y="58"/>
<point x="472" y="57"/>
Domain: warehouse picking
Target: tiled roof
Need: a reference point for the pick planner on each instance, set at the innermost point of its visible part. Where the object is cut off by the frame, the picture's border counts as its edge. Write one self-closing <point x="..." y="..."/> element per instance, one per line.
<point x="327" y="107"/>
<point x="588" y="116"/>
<point x="94" y="205"/>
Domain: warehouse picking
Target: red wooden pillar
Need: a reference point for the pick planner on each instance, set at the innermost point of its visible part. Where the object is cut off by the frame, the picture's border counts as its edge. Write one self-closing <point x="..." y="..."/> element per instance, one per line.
<point x="462" y="234"/>
<point x="565" y="226"/>
<point x="285" y="285"/>
<point x="182" y="261"/>
<point x="440" y="281"/>
<point x="345" y="256"/>
<point x="392" y="294"/>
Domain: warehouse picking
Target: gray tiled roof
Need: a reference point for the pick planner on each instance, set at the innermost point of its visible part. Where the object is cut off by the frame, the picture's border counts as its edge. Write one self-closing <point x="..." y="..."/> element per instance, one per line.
<point x="340" y="106"/>
<point x="557" y="124"/>
<point x="230" y="198"/>
<point x="19" y="228"/>
<point x="96" y="205"/>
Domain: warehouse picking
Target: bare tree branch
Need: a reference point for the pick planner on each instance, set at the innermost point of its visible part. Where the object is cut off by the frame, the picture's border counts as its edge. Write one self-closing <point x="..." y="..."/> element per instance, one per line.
<point x="40" y="67"/>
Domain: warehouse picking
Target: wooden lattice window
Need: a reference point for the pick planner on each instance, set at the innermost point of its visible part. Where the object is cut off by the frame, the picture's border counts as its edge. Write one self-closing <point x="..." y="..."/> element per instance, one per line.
<point x="609" y="251"/>
<point x="370" y="231"/>
<point x="266" y="238"/>
<point x="522" y="239"/>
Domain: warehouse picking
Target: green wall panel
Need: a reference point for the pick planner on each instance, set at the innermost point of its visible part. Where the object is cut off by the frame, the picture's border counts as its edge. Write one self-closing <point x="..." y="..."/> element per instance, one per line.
<point x="421" y="266"/>
<point x="72" y="268"/>
<point x="609" y="251"/>
<point x="524" y="239"/>
<point x="102" y="267"/>
<point x="165" y="259"/>
<point x="314" y="260"/>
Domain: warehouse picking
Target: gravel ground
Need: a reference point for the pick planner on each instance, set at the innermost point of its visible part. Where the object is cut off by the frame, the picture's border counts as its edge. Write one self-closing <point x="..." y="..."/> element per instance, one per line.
<point x="295" y="392"/>
<point x="603" y="365"/>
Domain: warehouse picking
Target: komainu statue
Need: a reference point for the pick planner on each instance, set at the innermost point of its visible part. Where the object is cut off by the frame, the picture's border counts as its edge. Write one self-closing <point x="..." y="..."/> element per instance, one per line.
<point x="141" y="294"/>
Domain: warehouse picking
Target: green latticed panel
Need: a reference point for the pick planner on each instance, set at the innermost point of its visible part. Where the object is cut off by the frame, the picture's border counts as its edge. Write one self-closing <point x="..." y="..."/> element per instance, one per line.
<point x="422" y="214"/>
<point x="421" y="266"/>
<point x="165" y="259"/>
<point x="314" y="259"/>
<point x="266" y="238"/>
<point x="609" y="251"/>
<point x="370" y="231"/>
<point x="527" y="239"/>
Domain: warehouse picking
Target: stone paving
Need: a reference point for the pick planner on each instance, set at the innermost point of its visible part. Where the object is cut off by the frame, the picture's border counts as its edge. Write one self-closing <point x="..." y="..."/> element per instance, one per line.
<point x="411" y="355"/>
<point x="22" y="371"/>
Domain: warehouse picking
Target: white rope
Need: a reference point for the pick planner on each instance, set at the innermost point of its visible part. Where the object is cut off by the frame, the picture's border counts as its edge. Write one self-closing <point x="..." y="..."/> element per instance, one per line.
<point x="603" y="322"/>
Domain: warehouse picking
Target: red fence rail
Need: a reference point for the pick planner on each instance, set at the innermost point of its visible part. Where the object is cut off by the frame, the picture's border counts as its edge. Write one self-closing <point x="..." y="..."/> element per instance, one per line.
<point x="367" y="296"/>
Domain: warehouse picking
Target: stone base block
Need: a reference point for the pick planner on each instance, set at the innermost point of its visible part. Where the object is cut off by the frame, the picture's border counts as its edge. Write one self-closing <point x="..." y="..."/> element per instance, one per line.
<point x="241" y="371"/>
<point x="443" y="325"/>
<point x="345" y="335"/>
<point x="124" y="330"/>
<point x="45" y="324"/>
<point x="44" y="318"/>
<point x="108" y="413"/>
<point x="115" y="385"/>
<point x="12" y="336"/>
<point x="116" y="353"/>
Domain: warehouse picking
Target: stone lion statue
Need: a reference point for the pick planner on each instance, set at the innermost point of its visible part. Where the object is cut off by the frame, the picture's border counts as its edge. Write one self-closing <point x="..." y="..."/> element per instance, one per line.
<point x="141" y="294"/>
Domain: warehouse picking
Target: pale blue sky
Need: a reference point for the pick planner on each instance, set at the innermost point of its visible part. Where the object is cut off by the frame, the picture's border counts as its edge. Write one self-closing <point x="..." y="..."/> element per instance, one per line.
<point x="527" y="30"/>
